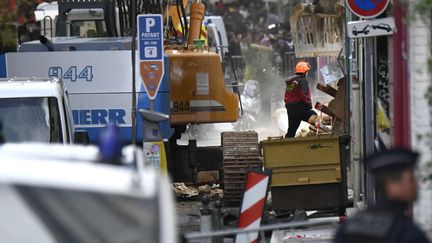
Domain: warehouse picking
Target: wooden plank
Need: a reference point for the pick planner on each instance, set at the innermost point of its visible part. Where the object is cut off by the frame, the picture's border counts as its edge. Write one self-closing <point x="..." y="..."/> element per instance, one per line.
<point x="337" y="106"/>
<point x="324" y="109"/>
<point x="327" y="89"/>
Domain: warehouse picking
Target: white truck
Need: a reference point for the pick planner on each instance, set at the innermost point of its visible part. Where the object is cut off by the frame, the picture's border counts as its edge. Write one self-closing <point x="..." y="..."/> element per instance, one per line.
<point x="89" y="22"/>
<point x="217" y="33"/>
<point x="36" y="110"/>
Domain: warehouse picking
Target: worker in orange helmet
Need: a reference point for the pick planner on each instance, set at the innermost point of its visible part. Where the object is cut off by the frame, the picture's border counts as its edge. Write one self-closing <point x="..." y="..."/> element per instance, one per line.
<point x="298" y="100"/>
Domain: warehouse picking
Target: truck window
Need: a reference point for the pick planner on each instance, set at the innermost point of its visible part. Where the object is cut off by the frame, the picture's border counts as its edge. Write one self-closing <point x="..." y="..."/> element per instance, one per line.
<point x="81" y="216"/>
<point x="88" y="28"/>
<point x="56" y="134"/>
<point x="32" y="119"/>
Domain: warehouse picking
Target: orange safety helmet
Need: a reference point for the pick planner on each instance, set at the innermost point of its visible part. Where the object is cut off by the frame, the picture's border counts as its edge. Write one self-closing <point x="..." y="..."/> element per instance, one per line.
<point x="302" y="67"/>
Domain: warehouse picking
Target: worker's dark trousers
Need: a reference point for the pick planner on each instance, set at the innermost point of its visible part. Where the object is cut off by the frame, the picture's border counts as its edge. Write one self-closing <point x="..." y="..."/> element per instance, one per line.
<point x="295" y="116"/>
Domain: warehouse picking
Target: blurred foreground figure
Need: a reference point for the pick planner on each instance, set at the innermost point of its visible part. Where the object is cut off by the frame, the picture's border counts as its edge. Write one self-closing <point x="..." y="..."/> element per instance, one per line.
<point x="2" y="139"/>
<point x="396" y="190"/>
<point x="110" y="145"/>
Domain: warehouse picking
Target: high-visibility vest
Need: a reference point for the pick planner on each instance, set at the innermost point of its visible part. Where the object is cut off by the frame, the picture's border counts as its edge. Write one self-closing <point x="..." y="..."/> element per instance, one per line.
<point x="203" y="33"/>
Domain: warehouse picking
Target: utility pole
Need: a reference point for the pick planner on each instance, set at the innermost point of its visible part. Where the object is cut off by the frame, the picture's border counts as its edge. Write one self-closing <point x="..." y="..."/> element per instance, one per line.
<point x="133" y="54"/>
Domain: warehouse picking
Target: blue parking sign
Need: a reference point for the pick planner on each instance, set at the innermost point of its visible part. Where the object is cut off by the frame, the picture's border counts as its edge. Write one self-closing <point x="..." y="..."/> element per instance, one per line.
<point x="150" y="35"/>
<point x="150" y="46"/>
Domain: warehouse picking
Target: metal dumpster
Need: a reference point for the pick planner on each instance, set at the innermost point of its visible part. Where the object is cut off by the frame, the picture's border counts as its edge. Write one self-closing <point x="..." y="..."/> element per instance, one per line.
<point x="307" y="173"/>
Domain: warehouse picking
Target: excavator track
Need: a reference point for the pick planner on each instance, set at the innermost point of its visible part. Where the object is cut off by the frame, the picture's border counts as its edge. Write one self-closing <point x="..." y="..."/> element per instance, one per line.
<point x="241" y="152"/>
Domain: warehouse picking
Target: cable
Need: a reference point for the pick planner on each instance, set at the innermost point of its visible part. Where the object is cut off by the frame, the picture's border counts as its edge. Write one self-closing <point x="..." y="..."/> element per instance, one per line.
<point x="122" y="11"/>
<point x="185" y="21"/>
<point x="167" y="21"/>
<point x="181" y="22"/>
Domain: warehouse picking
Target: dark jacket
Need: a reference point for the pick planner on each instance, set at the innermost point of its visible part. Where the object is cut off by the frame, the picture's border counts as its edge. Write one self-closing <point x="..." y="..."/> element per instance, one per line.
<point x="385" y="222"/>
<point x="297" y="96"/>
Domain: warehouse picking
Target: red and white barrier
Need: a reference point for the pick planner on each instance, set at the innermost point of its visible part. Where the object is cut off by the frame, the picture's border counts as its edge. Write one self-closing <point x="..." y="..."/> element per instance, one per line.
<point x="252" y="207"/>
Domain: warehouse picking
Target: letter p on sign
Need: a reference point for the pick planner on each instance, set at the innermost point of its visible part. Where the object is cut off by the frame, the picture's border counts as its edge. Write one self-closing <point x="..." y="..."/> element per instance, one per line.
<point x="150" y="22"/>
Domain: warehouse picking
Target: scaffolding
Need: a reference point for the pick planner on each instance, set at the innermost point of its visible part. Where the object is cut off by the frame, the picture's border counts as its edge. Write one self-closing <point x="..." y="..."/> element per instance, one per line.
<point x="318" y="30"/>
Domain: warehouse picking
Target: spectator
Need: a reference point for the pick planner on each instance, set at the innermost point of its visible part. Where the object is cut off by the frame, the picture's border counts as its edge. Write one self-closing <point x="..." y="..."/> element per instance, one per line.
<point x="220" y="8"/>
<point x="234" y="44"/>
<point x="265" y="41"/>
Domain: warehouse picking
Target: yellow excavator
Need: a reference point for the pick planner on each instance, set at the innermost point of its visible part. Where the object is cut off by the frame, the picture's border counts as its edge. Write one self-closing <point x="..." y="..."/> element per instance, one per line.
<point x="198" y="94"/>
<point x="197" y="89"/>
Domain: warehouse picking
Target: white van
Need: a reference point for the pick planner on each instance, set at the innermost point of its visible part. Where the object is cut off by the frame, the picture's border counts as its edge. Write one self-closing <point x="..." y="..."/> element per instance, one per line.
<point x="217" y="32"/>
<point x="35" y="110"/>
<point x="57" y="193"/>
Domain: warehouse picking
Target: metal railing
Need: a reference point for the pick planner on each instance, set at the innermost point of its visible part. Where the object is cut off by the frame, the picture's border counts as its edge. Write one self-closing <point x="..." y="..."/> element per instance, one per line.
<point x="237" y="63"/>
<point x="286" y="67"/>
<point x="289" y="61"/>
<point x="206" y="236"/>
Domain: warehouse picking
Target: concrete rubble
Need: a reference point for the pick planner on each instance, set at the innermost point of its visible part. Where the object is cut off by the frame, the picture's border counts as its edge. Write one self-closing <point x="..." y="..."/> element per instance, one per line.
<point x="183" y="191"/>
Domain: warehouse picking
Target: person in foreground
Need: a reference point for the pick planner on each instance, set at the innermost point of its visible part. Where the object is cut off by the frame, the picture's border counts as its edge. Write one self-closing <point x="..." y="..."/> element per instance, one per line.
<point x="396" y="190"/>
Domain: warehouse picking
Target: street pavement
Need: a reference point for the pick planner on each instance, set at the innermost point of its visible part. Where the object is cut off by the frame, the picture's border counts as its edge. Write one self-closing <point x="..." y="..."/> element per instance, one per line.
<point x="188" y="221"/>
<point x="321" y="234"/>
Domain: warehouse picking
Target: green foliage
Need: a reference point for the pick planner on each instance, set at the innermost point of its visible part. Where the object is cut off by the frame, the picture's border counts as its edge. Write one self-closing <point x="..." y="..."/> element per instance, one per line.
<point x="9" y="22"/>
<point x="258" y="64"/>
<point x="7" y="28"/>
<point x="260" y="67"/>
<point x="424" y="8"/>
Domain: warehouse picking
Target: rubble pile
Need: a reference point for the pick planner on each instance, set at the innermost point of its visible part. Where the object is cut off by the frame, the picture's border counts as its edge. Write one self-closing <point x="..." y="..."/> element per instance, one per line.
<point x="193" y="193"/>
<point x="185" y="192"/>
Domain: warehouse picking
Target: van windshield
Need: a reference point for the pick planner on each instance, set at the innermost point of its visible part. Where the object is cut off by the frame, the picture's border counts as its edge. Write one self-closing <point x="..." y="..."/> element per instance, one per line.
<point x="32" y="119"/>
<point x="80" y="216"/>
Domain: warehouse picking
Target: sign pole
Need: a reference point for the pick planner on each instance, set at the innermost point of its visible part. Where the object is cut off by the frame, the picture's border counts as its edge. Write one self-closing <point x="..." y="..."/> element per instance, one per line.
<point x="133" y="54"/>
<point x="366" y="29"/>
<point x="152" y="70"/>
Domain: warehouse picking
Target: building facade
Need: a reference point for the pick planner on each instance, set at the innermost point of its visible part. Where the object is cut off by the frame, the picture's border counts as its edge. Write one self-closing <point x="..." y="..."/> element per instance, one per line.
<point x="420" y="79"/>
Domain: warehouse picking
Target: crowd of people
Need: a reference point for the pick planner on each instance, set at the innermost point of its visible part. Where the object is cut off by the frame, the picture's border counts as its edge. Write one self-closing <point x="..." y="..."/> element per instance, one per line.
<point x="253" y="22"/>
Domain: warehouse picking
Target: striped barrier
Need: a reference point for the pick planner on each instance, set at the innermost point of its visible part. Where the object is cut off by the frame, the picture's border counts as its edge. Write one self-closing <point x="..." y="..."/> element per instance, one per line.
<point x="252" y="207"/>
